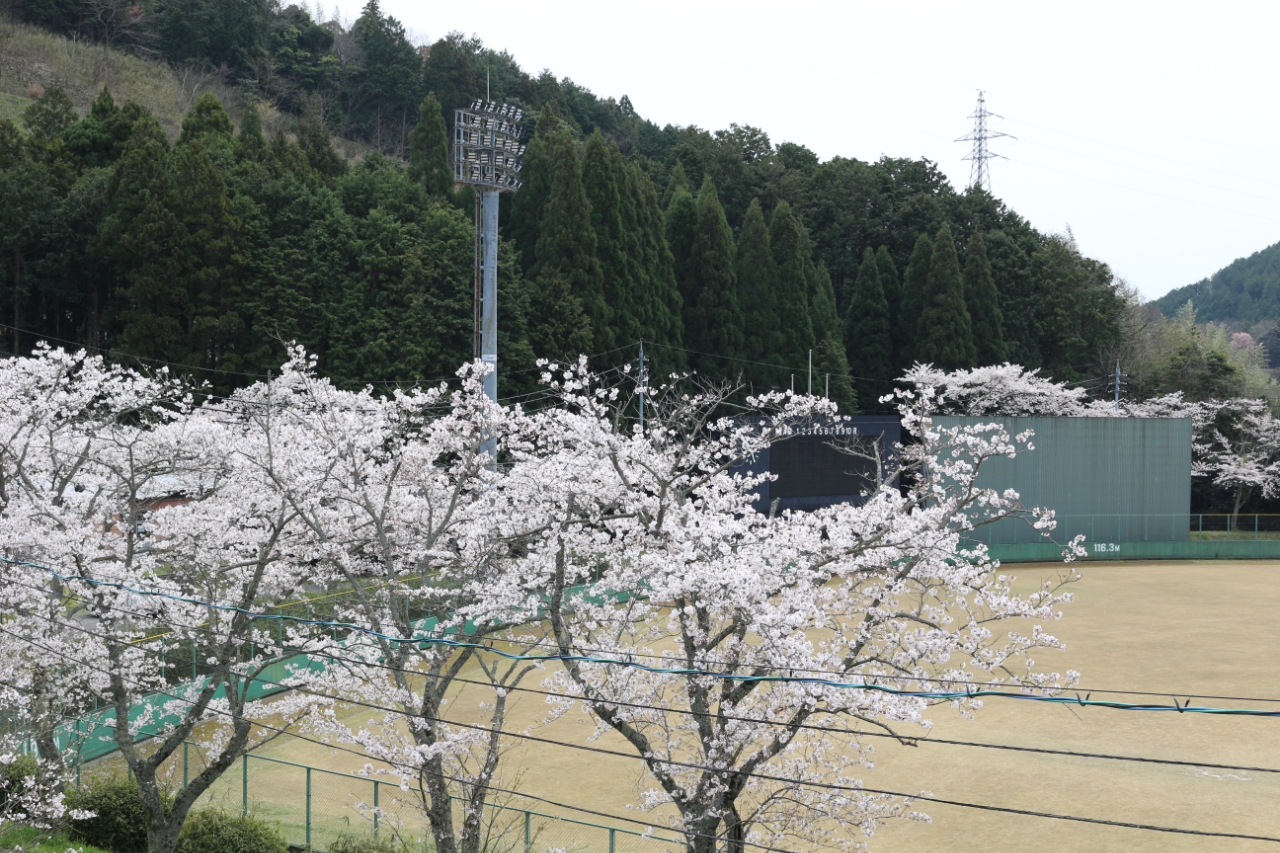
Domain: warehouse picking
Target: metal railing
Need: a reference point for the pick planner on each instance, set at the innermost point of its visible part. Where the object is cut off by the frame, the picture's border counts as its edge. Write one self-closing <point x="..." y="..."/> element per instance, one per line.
<point x="314" y="807"/>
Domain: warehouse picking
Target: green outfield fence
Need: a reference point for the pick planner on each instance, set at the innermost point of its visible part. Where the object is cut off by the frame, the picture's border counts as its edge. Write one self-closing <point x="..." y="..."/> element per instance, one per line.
<point x="1185" y="536"/>
<point x="313" y="807"/>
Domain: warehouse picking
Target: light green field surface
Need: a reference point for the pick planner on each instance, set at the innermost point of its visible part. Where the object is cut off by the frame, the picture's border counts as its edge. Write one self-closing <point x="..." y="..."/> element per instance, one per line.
<point x="1193" y="627"/>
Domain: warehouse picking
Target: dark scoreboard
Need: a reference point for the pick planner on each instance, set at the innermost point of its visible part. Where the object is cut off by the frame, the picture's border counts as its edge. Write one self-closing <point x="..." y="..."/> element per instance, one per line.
<point x="814" y="469"/>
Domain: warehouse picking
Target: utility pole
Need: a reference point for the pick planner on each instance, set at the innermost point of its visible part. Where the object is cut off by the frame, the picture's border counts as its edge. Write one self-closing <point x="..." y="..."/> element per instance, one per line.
<point x="979" y="174"/>
<point x="642" y="386"/>
<point x="1117" y="384"/>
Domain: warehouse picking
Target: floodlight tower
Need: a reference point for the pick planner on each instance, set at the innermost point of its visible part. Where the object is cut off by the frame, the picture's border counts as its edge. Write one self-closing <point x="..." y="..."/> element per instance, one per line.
<point x="979" y="174"/>
<point x="486" y="157"/>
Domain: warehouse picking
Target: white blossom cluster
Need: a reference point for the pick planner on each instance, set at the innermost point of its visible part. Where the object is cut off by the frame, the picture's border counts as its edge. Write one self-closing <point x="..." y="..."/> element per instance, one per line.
<point x="583" y="537"/>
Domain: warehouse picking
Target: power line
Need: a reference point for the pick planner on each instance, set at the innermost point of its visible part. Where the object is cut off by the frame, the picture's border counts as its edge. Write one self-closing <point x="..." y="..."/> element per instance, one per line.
<point x="759" y="363"/>
<point x="686" y="671"/>
<point x="913" y="741"/>
<point x="705" y="768"/>
<point x="399" y="765"/>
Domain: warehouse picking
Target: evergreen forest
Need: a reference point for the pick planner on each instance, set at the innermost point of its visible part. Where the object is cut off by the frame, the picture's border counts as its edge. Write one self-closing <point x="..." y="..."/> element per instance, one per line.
<point x="1246" y="291"/>
<point x="212" y="245"/>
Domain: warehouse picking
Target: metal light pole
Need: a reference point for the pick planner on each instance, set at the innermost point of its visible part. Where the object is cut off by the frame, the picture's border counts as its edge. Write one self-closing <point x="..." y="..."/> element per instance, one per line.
<point x="486" y="157"/>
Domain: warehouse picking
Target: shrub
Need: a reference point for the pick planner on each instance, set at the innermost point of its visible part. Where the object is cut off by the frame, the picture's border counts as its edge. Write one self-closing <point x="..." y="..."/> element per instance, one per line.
<point x="217" y="831"/>
<point x="365" y="844"/>
<point x="14" y="776"/>
<point x="120" y="817"/>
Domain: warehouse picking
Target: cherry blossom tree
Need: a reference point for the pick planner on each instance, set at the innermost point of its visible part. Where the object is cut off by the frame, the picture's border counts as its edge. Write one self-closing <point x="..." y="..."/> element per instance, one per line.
<point x="1009" y="389"/>
<point x="1238" y="449"/>
<point x="440" y="515"/>
<point x="406" y="508"/>
<point x="760" y="628"/>
<point x="32" y="798"/>
<point x="87" y="452"/>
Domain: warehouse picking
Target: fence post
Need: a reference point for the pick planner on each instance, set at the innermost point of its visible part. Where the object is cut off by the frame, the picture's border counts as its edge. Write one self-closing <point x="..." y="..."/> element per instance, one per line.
<point x="244" y="784"/>
<point x="375" y="808"/>
<point x="1200" y="530"/>
<point x="308" y="808"/>
<point x="1228" y="528"/>
<point x="528" y="840"/>
<point x="613" y="833"/>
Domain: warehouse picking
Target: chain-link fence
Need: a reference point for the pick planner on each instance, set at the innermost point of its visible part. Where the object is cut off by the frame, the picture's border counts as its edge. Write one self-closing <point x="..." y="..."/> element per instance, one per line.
<point x="1179" y="527"/>
<point x="313" y="807"/>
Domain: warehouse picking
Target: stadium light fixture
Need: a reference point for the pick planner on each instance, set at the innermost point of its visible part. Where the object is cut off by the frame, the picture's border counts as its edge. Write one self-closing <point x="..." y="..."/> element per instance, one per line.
<point x="486" y="157"/>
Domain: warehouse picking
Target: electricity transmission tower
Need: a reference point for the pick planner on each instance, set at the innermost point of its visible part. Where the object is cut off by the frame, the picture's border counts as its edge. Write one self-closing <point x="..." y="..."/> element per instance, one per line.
<point x="979" y="174"/>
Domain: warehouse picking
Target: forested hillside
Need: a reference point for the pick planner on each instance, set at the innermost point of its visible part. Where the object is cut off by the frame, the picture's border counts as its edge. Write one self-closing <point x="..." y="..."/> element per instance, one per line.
<point x="1247" y="290"/>
<point x="725" y="252"/>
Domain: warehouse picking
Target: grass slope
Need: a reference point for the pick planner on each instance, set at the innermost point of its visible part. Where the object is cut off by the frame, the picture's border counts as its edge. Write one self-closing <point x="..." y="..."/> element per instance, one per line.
<point x="33" y="59"/>
<point x="35" y="841"/>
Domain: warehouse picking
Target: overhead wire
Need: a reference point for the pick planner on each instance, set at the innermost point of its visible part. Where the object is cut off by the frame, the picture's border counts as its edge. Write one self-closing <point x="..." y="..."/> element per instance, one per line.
<point x="847" y="789"/>
<point x="905" y="739"/>
<point x="966" y="694"/>
<point x="417" y="770"/>
<point x="902" y="739"/>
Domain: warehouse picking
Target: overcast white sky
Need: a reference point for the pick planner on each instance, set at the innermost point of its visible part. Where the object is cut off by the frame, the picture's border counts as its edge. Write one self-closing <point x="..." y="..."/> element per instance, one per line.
<point x="1150" y="128"/>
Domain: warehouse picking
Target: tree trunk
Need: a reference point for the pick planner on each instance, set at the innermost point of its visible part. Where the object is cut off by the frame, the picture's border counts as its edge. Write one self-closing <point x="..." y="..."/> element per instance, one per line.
<point x="1242" y="497"/>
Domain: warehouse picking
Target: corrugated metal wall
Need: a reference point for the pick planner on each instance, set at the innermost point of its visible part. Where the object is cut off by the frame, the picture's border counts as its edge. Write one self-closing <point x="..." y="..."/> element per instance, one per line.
<point x="1110" y="479"/>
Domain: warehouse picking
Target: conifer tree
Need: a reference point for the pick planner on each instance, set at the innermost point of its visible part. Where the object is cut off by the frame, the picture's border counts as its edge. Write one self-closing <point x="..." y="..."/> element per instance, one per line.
<point x="757" y="293"/>
<point x="314" y="141"/>
<point x="665" y="325"/>
<point x="867" y="332"/>
<point x="983" y="302"/>
<point x="429" y="150"/>
<point x="50" y="115"/>
<point x="794" y="324"/>
<point x="530" y="202"/>
<point x="567" y="243"/>
<point x="141" y="177"/>
<point x="892" y="287"/>
<point x="681" y="229"/>
<point x="831" y="372"/>
<point x="641" y="259"/>
<point x="914" y="284"/>
<point x="604" y="182"/>
<point x="678" y="182"/>
<point x="946" y="335"/>
<point x="558" y="326"/>
<point x="99" y="138"/>
<point x="249" y="142"/>
<point x="713" y="321"/>
<point x="206" y="117"/>
<point x="12" y="150"/>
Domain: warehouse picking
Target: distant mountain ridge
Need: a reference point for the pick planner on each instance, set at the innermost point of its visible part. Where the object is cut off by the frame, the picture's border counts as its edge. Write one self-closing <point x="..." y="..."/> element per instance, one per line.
<point x="1248" y="290"/>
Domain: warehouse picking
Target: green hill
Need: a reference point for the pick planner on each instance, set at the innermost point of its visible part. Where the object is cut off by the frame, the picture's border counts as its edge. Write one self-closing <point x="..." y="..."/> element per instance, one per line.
<point x="1247" y="290"/>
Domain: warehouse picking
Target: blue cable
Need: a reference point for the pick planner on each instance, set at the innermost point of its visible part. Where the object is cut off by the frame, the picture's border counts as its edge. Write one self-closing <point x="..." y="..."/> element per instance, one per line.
<point x="441" y="641"/>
